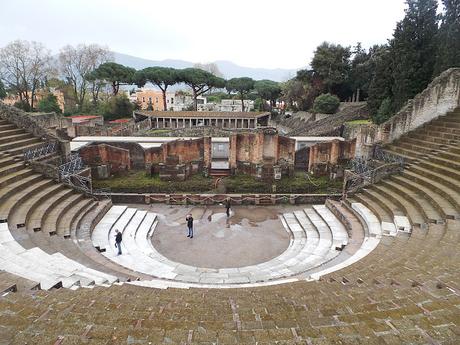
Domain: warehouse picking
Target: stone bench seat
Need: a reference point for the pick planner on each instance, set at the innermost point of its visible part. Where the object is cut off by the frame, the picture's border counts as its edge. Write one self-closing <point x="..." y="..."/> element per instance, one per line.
<point x="50" y="269"/>
<point x="15" y="176"/>
<point x="12" y="138"/>
<point x="429" y="192"/>
<point x="22" y="195"/>
<point x="16" y="144"/>
<point x="64" y="223"/>
<point x="49" y="222"/>
<point x="429" y="213"/>
<point x="11" y="188"/>
<point x="406" y="208"/>
<point x="18" y="212"/>
<point x="100" y="234"/>
<point x="34" y="219"/>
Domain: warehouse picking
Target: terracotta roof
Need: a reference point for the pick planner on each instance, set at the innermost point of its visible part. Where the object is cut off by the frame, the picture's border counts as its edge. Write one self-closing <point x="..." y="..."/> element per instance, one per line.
<point x="203" y="114"/>
<point x="84" y="117"/>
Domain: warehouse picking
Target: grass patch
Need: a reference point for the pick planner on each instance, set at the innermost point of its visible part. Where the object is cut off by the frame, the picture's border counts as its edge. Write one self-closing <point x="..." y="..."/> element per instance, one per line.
<point x="141" y="182"/>
<point x="298" y="184"/>
<point x="359" y="122"/>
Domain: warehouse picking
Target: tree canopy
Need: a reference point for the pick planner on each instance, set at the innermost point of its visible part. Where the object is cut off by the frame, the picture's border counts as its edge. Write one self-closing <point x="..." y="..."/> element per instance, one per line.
<point x="115" y="74"/>
<point x="199" y="81"/>
<point x="243" y="86"/>
<point x="268" y="90"/>
<point x="162" y="77"/>
<point x="332" y="64"/>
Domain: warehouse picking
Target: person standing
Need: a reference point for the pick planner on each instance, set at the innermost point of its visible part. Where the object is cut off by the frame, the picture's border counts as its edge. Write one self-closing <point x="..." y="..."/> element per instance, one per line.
<point x="189" y="220"/>
<point x="227" y="206"/>
<point x="118" y="239"/>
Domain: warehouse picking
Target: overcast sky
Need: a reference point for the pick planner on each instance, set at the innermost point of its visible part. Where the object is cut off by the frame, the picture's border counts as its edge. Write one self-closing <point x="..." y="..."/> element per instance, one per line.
<point x="253" y="33"/>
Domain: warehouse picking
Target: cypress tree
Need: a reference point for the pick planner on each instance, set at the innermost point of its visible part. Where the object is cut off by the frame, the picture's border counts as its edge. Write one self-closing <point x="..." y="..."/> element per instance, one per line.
<point x="414" y="50"/>
<point x="448" y="53"/>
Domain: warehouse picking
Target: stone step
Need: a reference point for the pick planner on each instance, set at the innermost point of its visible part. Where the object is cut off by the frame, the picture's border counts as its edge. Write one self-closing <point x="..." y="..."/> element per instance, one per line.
<point x="11" y="167"/>
<point x="439" y="203"/>
<point x="34" y="220"/>
<point x="438" y="133"/>
<point x="386" y="204"/>
<point x="417" y="155"/>
<point x="29" y="264"/>
<point x="100" y="235"/>
<point x="438" y="147"/>
<point x="442" y="128"/>
<point x="376" y="208"/>
<point x="11" y="132"/>
<point x="372" y="223"/>
<point x="13" y="283"/>
<point x="18" y="143"/>
<point x="406" y="206"/>
<point x="15" y="176"/>
<point x="339" y="233"/>
<point x="15" y="138"/>
<point x="64" y="223"/>
<point x="6" y="161"/>
<point x="121" y="223"/>
<point x="430" y="214"/>
<point x="18" y="213"/>
<point x="28" y="183"/>
<point x="56" y="245"/>
<point x="7" y="127"/>
<point x="84" y="243"/>
<point x="50" y="221"/>
<point x="447" y="122"/>
<point x="432" y="139"/>
<point x="77" y="220"/>
<point x="19" y="150"/>
<point x="431" y="175"/>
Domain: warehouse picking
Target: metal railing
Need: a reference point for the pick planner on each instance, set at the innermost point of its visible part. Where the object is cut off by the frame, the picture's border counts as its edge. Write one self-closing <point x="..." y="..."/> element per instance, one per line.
<point x="41" y="151"/>
<point x="364" y="172"/>
<point x="71" y="167"/>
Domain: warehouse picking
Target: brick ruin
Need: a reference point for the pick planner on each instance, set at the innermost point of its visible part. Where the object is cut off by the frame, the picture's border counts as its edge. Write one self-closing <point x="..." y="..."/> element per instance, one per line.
<point x="264" y="154"/>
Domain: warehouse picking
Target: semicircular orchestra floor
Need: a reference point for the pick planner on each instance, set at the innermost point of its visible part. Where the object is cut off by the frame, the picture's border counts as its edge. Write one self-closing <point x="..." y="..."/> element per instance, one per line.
<point x="249" y="236"/>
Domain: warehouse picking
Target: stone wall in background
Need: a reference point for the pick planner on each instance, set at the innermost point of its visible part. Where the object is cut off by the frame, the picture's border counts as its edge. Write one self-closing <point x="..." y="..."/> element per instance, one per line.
<point x="439" y="98"/>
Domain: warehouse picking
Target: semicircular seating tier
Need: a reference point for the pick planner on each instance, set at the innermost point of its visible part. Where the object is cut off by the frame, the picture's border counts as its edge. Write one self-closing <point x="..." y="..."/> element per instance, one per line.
<point x="47" y="238"/>
<point x="316" y="238"/>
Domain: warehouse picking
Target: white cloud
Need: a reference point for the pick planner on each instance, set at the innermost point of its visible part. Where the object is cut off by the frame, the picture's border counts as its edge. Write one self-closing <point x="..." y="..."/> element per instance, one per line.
<point x="251" y="33"/>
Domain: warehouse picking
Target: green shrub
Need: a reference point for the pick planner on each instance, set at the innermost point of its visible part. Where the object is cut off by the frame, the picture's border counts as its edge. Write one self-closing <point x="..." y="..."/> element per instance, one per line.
<point x="117" y="107"/>
<point x="326" y="104"/>
<point x="385" y="111"/>
<point x="49" y="104"/>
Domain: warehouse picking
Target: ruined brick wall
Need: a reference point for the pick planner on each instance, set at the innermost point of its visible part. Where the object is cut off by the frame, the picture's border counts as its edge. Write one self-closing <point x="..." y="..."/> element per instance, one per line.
<point x="286" y="149"/>
<point x="185" y="150"/>
<point x="136" y="153"/>
<point x="323" y="157"/>
<point x="118" y="159"/>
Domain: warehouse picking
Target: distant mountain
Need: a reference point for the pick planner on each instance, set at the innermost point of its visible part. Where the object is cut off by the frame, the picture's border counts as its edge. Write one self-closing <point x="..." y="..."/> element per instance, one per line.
<point x="228" y="68"/>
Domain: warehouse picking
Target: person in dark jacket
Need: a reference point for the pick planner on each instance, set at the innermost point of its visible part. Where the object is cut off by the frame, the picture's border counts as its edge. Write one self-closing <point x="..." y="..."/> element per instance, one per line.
<point x="227" y="206"/>
<point x="118" y="239"/>
<point x="189" y="220"/>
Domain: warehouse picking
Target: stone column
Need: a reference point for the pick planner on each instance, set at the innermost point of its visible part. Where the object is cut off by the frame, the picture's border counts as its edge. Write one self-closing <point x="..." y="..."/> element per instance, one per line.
<point x="207" y="153"/>
<point x="335" y="152"/>
<point x="232" y="151"/>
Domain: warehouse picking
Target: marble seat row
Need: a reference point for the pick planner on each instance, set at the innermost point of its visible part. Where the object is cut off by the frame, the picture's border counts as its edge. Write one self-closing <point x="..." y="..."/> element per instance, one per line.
<point x="317" y="237"/>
